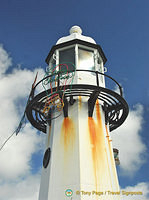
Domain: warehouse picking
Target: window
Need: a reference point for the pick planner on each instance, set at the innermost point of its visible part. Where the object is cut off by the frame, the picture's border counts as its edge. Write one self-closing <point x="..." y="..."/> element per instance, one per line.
<point x="67" y="57"/>
<point x="86" y="59"/>
<point x="52" y="64"/>
<point x="99" y="64"/>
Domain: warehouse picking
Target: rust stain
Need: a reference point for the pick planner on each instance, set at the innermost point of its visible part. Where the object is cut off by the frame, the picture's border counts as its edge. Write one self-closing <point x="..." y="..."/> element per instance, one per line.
<point x="66" y="149"/>
<point x="68" y="133"/>
<point x="98" y="148"/>
<point x="98" y="115"/>
<point x="80" y="102"/>
<point x="102" y="163"/>
<point x="99" y="152"/>
<point x="93" y="140"/>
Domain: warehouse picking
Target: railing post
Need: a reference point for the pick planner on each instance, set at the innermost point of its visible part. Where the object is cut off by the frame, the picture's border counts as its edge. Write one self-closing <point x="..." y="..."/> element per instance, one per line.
<point x="97" y="79"/>
<point x="58" y="82"/>
<point x="121" y="90"/>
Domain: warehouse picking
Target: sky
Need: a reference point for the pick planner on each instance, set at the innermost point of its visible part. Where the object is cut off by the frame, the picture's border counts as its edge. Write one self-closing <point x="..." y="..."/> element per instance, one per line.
<point x="28" y="30"/>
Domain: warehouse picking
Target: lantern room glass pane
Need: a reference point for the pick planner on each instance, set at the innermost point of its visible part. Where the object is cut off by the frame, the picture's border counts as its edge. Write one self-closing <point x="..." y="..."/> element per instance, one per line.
<point x="67" y="58"/>
<point x="86" y="59"/>
<point x="52" y="65"/>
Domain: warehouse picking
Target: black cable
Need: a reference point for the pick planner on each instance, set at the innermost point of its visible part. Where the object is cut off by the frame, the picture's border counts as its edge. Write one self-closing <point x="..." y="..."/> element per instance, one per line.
<point x="20" y="126"/>
<point x="6" y="140"/>
<point x="23" y="119"/>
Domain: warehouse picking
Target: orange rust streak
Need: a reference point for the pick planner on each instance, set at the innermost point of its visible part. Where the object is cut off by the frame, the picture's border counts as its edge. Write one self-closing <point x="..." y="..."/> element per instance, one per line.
<point x="98" y="148"/>
<point x="93" y="140"/>
<point x="92" y="129"/>
<point x="103" y="173"/>
<point x="98" y="113"/>
<point x="101" y="148"/>
<point x="68" y="133"/>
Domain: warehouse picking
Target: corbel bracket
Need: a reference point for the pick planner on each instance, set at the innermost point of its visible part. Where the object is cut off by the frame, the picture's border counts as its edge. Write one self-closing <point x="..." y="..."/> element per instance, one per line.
<point x="91" y="102"/>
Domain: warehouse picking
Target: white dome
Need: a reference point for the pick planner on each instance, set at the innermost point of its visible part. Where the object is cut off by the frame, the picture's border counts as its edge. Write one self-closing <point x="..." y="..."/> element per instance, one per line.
<point x="75" y="29"/>
<point x="75" y="33"/>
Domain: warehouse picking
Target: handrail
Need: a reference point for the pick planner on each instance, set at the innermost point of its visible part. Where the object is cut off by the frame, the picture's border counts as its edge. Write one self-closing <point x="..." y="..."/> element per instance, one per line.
<point x="96" y="73"/>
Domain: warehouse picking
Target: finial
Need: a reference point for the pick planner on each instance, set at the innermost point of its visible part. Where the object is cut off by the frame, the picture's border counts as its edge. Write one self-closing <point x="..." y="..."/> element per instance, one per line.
<point x="75" y="29"/>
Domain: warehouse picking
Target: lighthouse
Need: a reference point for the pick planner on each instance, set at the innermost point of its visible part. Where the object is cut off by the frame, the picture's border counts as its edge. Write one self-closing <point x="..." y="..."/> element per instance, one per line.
<point x="77" y="107"/>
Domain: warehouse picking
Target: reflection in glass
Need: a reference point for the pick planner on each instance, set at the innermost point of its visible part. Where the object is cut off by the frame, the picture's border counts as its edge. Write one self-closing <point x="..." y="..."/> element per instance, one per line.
<point x="86" y="59"/>
<point x="67" y="57"/>
<point x="52" y="65"/>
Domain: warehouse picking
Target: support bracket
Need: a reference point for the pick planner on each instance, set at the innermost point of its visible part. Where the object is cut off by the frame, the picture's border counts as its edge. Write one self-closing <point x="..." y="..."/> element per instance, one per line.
<point x="105" y="108"/>
<point x="72" y="100"/>
<point x="65" y="108"/>
<point x="92" y="101"/>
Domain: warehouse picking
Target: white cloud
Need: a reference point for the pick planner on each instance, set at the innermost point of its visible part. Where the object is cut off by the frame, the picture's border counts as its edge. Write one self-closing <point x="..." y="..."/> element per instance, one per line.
<point x="140" y="187"/>
<point x="16" y="180"/>
<point x="5" y="60"/>
<point x="128" y="140"/>
<point x="25" y="189"/>
<point x="16" y="155"/>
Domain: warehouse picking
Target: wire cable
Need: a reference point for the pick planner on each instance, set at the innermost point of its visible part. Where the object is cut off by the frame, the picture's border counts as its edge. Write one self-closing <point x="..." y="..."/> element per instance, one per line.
<point x="22" y="122"/>
<point x="6" y="140"/>
<point x="20" y="126"/>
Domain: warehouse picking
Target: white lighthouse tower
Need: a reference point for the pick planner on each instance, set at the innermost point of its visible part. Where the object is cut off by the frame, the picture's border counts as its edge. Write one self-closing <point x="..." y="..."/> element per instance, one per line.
<point x="75" y="105"/>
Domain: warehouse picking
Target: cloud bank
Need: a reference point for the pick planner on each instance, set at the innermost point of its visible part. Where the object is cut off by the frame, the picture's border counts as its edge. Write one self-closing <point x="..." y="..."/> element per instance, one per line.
<point x="16" y="179"/>
<point x="142" y="187"/>
<point x="127" y="138"/>
<point x="5" y="60"/>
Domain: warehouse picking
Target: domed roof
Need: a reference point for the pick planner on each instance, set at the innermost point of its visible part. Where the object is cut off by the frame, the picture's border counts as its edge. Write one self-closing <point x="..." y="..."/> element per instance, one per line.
<point x="75" y="33"/>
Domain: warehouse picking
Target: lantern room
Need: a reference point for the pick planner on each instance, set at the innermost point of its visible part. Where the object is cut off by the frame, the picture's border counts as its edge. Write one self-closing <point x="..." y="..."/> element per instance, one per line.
<point x="79" y="53"/>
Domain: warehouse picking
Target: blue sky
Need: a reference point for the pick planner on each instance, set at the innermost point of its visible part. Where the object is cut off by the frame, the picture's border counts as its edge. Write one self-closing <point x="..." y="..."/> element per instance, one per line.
<point x="30" y="28"/>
